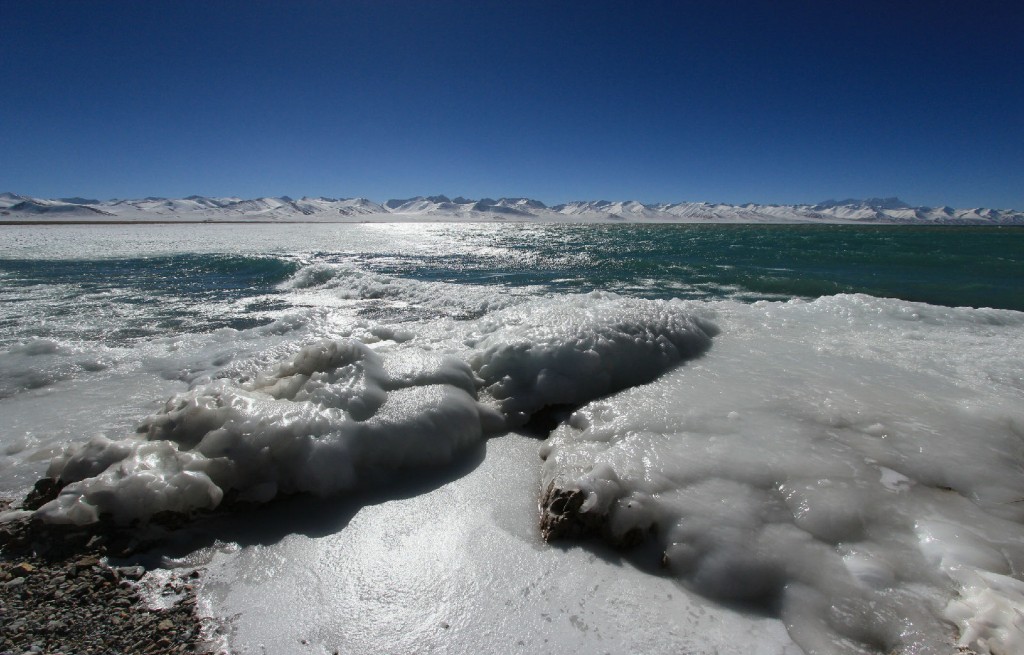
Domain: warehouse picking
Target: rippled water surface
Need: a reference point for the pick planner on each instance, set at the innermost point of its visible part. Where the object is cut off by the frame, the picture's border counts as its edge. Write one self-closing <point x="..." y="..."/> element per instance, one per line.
<point x="132" y="281"/>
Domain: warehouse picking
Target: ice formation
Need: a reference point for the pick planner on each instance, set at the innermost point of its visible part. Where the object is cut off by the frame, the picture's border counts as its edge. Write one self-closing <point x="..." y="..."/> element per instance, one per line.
<point x="339" y="413"/>
<point x="581" y="348"/>
<point x="41" y="362"/>
<point x="320" y="423"/>
<point x="808" y="485"/>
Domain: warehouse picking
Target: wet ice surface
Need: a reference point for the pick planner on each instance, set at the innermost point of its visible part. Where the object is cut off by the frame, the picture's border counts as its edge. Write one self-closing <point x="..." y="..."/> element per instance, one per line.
<point x="460" y="568"/>
<point x="852" y="461"/>
<point x="849" y="465"/>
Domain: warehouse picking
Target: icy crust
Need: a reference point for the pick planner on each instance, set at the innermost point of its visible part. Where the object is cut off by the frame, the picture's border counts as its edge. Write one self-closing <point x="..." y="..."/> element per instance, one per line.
<point x="38" y="363"/>
<point x="332" y="416"/>
<point x="341" y="413"/>
<point x="852" y="463"/>
<point x="990" y="611"/>
<point x="581" y="348"/>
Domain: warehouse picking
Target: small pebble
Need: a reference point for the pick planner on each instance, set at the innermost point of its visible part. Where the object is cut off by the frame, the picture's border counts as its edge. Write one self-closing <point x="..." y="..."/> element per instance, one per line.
<point x="22" y="569"/>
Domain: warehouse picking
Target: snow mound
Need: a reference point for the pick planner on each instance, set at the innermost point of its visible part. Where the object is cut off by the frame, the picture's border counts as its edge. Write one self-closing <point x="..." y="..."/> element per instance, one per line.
<point x="333" y="417"/>
<point x="581" y="348"/>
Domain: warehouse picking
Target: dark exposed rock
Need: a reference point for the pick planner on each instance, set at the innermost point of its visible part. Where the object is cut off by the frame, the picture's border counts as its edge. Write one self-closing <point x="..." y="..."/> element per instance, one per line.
<point x="561" y="516"/>
<point x="43" y="492"/>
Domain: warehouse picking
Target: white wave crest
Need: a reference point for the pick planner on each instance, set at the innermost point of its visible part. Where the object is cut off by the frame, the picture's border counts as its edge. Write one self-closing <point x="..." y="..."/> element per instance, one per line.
<point x="350" y="283"/>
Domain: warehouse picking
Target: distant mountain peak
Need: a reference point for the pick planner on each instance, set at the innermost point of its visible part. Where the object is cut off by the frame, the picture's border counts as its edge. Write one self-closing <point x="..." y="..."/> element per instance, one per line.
<point x="76" y="200"/>
<point x="528" y="203"/>
<point x="872" y="203"/>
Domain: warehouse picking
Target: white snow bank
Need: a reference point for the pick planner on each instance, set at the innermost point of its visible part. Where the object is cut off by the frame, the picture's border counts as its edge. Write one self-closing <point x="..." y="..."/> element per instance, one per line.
<point x="332" y="416"/>
<point x="854" y="463"/>
<point x="580" y="348"/>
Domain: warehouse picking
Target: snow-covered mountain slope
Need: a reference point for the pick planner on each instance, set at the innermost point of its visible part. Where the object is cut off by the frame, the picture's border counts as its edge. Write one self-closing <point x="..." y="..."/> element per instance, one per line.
<point x="192" y="208"/>
<point x="39" y="208"/>
<point x="14" y="207"/>
<point x="874" y="210"/>
<point x="7" y="199"/>
<point x="626" y="209"/>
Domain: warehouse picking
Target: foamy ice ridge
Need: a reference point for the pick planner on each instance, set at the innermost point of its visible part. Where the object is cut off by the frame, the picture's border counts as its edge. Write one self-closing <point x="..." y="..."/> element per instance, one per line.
<point x="341" y="414"/>
<point x="852" y="462"/>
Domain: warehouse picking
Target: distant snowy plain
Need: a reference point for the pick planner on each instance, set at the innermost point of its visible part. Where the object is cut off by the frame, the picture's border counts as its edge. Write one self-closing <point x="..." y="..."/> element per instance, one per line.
<point x="836" y="475"/>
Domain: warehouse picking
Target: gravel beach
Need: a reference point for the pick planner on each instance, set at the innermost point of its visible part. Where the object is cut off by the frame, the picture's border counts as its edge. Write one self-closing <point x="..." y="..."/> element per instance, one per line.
<point x="59" y="594"/>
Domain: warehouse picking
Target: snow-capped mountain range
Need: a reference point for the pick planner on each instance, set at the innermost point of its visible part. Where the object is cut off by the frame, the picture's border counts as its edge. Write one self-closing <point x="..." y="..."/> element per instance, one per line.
<point x="14" y="207"/>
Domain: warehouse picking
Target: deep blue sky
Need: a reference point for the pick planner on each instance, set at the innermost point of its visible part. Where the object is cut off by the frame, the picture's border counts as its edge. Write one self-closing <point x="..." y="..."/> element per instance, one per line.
<point x="656" y="101"/>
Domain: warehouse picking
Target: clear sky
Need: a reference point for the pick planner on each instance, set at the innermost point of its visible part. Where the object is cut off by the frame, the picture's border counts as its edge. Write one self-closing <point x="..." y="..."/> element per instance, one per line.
<point x="728" y="101"/>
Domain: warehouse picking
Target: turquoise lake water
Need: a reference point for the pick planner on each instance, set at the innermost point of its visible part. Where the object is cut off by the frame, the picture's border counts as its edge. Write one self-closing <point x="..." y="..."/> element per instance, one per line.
<point x="146" y="280"/>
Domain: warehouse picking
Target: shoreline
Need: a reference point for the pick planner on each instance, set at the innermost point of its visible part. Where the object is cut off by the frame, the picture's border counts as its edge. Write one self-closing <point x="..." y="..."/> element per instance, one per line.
<point x="60" y="593"/>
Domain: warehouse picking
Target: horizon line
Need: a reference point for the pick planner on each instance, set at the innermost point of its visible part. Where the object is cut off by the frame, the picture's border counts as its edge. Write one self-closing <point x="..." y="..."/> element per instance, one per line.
<point x="868" y="200"/>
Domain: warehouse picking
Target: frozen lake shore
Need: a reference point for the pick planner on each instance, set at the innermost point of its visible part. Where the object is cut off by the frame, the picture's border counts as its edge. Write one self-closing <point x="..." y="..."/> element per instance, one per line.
<point x="835" y="472"/>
